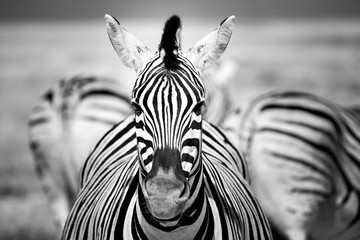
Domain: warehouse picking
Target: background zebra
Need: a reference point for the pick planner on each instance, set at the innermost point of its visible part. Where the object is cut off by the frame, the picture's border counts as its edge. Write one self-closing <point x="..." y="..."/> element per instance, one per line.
<point x="64" y="127"/>
<point x="72" y="117"/>
<point x="304" y="157"/>
<point x="219" y="105"/>
<point x="163" y="172"/>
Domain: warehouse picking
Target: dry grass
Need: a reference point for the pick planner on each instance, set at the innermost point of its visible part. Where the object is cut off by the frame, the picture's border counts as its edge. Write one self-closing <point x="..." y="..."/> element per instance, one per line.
<point x="321" y="57"/>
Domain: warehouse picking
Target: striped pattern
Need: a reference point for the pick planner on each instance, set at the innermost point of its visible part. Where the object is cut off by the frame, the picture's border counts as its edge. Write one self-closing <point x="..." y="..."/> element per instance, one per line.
<point x="164" y="173"/>
<point x="110" y="203"/>
<point x="304" y="159"/>
<point x="63" y="128"/>
<point x="167" y="99"/>
<point x="79" y="111"/>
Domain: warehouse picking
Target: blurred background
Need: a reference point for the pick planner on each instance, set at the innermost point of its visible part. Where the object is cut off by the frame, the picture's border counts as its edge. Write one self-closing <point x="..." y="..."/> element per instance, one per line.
<point x="312" y="46"/>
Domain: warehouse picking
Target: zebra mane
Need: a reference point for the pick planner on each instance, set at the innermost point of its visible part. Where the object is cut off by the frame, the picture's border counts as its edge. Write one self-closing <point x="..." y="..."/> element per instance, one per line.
<point x="170" y="42"/>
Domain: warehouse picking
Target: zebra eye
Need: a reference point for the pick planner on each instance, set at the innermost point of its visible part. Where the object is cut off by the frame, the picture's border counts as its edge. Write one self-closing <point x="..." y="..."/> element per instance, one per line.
<point x="137" y="108"/>
<point x="198" y="108"/>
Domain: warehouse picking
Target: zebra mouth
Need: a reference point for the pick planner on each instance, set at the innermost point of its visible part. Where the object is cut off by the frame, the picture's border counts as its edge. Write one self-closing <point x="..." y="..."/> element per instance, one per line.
<point x="165" y="201"/>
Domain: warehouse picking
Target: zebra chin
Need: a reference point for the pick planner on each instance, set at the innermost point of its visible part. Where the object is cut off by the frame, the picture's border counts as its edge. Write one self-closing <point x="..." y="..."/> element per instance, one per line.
<point x="166" y="200"/>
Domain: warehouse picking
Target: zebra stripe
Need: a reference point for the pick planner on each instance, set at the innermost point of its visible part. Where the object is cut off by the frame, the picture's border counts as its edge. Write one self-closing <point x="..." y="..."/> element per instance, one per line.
<point x="64" y="126"/>
<point x="164" y="172"/>
<point x="304" y="158"/>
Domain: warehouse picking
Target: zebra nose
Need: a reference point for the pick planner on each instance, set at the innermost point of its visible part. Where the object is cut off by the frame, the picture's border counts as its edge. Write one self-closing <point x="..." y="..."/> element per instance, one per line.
<point x="166" y="180"/>
<point x="164" y="188"/>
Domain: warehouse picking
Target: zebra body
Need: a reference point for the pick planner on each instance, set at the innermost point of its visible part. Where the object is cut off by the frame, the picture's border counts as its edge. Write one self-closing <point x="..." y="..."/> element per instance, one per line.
<point x="63" y="128"/>
<point x="304" y="159"/>
<point x="164" y="172"/>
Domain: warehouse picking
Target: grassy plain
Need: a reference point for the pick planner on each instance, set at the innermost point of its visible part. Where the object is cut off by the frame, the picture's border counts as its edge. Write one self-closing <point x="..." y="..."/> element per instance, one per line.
<point x="319" y="56"/>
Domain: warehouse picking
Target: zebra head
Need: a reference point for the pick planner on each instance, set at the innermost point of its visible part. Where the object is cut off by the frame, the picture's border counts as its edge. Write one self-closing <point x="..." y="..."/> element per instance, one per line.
<point x="167" y="97"/>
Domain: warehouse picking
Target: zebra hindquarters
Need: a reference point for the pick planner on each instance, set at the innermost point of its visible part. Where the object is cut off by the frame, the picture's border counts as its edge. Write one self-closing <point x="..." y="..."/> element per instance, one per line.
<point x="291" y="155"/>
<point x="91" y="119"/>
<point x="293" y="195"/>
<point x="65" y="127"/>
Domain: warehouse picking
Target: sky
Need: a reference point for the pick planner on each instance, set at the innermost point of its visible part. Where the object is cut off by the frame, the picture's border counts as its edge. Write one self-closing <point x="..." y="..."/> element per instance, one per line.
<point x="85" y="9"/>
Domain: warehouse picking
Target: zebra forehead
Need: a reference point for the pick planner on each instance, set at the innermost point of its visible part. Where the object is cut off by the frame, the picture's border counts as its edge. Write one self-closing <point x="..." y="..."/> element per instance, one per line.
<point x="168" y="91"/>
<point x="184" y="79"/>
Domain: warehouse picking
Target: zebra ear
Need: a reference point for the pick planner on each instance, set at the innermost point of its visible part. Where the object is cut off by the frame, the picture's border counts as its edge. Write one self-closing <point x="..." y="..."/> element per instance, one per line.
<point x="131" y="51"/>
<point x="211" y="47"/>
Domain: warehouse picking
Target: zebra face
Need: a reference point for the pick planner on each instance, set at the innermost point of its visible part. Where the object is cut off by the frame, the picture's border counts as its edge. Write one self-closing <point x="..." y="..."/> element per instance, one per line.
<point x="167" y="98"/>
<point x="167" y="106"/>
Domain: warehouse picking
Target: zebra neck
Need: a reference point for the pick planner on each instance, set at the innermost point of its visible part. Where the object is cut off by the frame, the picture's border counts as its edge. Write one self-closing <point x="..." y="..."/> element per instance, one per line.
<point x="196" y="221"/>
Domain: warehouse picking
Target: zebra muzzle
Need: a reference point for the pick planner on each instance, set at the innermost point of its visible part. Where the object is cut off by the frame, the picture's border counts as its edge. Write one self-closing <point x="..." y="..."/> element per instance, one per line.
<point x="165" y="187"/>
<point x="166" y="198"/>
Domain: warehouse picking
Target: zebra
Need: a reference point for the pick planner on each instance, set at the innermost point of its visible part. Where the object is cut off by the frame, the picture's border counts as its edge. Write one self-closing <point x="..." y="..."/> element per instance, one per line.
<point x="163" y="172"/>
<point x="303" y="154"/>
<point x="96" y="104"/>
<point x="64" y="126"/>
